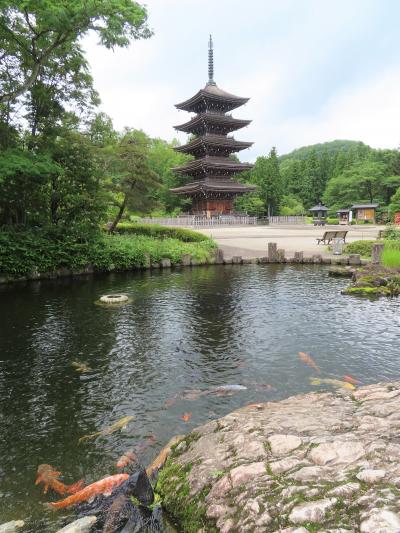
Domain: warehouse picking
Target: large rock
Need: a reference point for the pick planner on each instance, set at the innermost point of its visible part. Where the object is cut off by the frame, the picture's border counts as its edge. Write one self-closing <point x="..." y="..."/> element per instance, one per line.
<point x="313" y="511"/>
<point x="331" y="459"/>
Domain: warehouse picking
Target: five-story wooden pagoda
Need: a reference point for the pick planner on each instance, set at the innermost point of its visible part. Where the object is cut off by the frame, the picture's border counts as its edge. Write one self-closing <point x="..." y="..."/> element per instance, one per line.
<point x="212" y="190"/>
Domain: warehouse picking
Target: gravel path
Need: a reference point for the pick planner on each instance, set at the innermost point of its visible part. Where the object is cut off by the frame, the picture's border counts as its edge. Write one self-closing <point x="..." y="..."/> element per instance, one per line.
<point x="252" y="241"/>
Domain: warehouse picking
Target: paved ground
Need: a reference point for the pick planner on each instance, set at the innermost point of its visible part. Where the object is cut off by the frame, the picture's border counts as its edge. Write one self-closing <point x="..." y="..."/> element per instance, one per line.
<point x="252" y="241"/>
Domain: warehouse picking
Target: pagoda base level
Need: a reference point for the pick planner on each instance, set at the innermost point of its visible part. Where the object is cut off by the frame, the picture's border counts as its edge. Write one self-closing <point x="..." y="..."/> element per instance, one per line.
<point x="209" y="207"/>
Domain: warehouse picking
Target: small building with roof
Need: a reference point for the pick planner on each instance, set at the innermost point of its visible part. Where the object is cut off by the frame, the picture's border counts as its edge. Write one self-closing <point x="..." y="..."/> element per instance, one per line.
<point x="365" y="212"/>
<point x="345" y="216"/>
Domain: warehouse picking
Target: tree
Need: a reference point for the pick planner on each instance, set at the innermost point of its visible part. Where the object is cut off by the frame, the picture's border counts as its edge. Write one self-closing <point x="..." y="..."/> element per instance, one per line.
<point x="162" y="159"/>
<point x="395" y="202"/>
<point x="290" y="205"/>
<point x="362" y="182"/>
<point x="266" y="175"/>
<point x="34" y="32"/>
<point x="131" y="176"/>
<point x="24" y="179"/>
<point x="250" y="203"/>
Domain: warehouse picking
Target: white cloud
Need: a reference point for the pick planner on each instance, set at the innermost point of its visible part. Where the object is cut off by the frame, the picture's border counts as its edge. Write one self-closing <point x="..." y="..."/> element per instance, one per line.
<point x="369" y="112"/>
<point x="306" y="65"/>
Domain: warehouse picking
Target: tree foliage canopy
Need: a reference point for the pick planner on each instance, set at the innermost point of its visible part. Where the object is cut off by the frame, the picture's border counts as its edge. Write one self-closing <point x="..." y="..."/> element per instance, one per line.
<point x="34" y="33"/>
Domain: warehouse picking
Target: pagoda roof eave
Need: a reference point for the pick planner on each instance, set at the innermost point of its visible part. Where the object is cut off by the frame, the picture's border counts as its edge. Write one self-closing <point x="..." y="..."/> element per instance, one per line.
<point x="213" y="141"/>
<point x="212" y="118"/>
<point x="210" y="162"/>
<point x="212" y="92"/>
<point x="216" y="185"/>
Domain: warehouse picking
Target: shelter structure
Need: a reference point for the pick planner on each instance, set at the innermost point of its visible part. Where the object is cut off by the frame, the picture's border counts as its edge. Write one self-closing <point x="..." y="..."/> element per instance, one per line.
<point x="345" y="216"/>
<point x="212" y="188"/>
<point x="319" y="213"/>
<point x="365" y="212"/>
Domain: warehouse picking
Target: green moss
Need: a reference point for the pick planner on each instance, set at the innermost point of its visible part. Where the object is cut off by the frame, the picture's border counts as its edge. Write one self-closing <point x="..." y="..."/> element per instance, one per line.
<point x="173" y="487"/>
<point x="367" y="291"/>
<point x="188" y="440"/>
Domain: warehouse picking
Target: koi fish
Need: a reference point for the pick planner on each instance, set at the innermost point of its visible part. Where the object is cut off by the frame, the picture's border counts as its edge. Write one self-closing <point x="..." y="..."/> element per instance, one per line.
<point x="128" y="457"/>
<point x="169" y="403"/>
<point x="350" y="379"/>
<point x="80" y="367"/>
<point x="50" y="478"/>
<point x="229" y="388"/>
<point x="186" y="417"/>
<point x="120" y="424"/>
<point x="308" y="360"/>
<point x="334" y="382"/>
<point x="104" y="486"/>
<point x="144" y="445"/>
<point x="159" y="461"/>
<point x="258" y="406"/>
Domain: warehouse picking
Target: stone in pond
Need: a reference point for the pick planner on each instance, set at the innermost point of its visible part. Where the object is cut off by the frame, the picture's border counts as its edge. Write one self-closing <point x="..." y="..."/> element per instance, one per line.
<point x="10" y="527"/>
<point x="83" y="525"/>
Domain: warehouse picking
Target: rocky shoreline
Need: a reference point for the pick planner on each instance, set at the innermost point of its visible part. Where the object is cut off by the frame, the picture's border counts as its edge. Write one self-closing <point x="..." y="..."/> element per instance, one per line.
<point x="315" y="462"/>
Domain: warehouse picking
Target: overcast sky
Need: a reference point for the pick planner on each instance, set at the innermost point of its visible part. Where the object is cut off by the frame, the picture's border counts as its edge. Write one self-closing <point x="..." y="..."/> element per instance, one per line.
<point x="315" y="70"/>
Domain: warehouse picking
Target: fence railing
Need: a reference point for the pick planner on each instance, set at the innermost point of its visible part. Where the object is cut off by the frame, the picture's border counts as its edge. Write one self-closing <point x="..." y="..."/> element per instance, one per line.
<point x="286" y="220"/>
<point x="195" y="220"/>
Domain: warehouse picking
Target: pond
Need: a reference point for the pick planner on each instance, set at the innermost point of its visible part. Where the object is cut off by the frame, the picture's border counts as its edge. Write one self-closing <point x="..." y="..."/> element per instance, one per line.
<point x="184" y="330"/>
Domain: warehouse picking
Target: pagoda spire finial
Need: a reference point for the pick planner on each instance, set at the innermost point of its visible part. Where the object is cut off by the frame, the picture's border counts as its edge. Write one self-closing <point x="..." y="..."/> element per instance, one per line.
<point x="210" y="62"/>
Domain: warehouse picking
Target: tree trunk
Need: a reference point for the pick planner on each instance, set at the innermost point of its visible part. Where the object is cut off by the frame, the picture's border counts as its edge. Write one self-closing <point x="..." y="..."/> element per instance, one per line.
<point x="111" y="229"/>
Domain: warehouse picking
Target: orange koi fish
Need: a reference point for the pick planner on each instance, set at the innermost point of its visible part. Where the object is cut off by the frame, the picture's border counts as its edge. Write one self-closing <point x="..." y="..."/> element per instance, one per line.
<point x="128" y="457"/>
<point x="50" y="478"/>
<point x="186" y="417"/>
<point x="144" y="445"/>
<point x="103" y="486"/>
<point x="308" y="360"/>
<point x="159" y="461"/>
<point x="351" y="380"/>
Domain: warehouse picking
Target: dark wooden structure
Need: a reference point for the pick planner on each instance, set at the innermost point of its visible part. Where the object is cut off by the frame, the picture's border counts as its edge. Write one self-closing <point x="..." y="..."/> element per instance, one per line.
<point x="365" y="212"/>
<point x="212" y="188"/>
<point x="319" y="213"/>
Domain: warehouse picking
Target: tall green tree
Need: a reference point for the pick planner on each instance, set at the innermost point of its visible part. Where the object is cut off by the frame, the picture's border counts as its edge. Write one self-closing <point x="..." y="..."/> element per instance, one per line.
<point x="267" y="176"/>
<point x="131" y="177"/>
<point x="162" y="159"/>
<point x="362" y="182"/>
<point x="33" y="32"/>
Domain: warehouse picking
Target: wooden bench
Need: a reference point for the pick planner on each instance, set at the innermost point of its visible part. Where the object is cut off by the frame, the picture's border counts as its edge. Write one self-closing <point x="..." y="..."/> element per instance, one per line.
<point x="328" y="236"/>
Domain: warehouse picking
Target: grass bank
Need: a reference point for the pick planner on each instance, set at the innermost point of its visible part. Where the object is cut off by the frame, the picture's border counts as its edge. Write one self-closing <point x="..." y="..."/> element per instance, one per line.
<point x="26" y="253"/>
<point x="390" y="255"/>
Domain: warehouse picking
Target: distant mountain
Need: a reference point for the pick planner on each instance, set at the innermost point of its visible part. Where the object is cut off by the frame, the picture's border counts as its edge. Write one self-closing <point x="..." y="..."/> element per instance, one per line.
<point x="331" y="147"/>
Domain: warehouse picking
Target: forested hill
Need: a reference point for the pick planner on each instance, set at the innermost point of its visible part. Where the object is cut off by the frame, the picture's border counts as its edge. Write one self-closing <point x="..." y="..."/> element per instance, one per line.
<point x="331" y="147"/>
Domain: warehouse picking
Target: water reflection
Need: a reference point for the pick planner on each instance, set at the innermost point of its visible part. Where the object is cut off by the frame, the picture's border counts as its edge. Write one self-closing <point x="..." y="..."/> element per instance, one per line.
<point x="183" y="330"/>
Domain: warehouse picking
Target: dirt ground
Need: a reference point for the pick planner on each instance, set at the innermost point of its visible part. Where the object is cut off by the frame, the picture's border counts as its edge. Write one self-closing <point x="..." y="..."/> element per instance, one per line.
<point x="252" y="241"/>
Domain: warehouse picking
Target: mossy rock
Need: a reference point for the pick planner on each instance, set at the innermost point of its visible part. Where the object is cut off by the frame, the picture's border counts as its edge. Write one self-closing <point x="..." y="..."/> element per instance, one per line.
<point x="367" y="291"/>
<point x="174" y="489"/>
<point x="372" y="281"/>
<point x="340" y="272"/>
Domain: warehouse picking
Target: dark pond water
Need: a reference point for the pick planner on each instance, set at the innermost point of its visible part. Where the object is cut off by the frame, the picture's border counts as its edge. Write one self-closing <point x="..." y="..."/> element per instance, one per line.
<point x="184" y="330"/>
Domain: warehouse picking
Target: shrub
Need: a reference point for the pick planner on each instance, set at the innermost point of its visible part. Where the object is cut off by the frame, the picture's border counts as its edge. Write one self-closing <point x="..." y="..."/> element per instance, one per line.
<point x="332" y="220"/>
<point x="161" y="232"/>
<point x="391" y="233"/>
<point x="363" y="248"/>
<point x="40" y="250"/>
